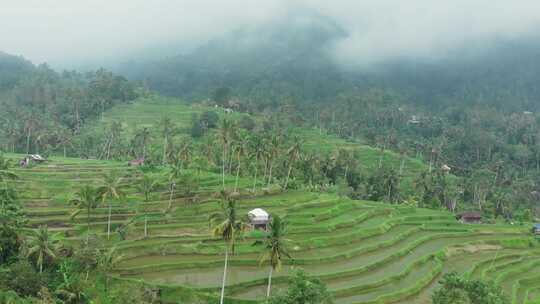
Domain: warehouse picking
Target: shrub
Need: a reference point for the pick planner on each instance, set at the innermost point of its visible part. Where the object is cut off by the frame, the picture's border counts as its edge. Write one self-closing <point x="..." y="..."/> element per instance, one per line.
<point x="22" y="278"/>
<point x="456" y="290"/>
<point x="304" y="290"/>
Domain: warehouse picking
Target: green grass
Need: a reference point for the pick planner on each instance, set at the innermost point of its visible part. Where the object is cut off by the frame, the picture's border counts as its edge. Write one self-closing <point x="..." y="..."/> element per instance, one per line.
<point x="366" y="252"/>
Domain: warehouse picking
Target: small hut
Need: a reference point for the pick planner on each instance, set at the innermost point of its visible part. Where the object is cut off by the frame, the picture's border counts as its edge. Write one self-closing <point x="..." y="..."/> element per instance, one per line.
<point x="32" y="159"/>
<point x="471" y="217"/>
<point x="536" y="229"/>
<point x="259" y="218"/>
<point x="136" y="162"/>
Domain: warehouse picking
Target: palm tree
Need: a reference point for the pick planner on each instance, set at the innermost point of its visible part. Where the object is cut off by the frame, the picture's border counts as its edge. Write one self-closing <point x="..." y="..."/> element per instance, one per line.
<point x="146" y="185"/>
<point x="275" y="249"/>
<point x="174" y="175"/>
<point x="240" y="150"/>
<point x="112" y="188"/>
<point x="167" y="129"/>
<point x="294" y="154"/>
<point x="257" y="150"/>
<point x="42" y="245"/>
<point x="87" y="198"/>
<point x="272" y="154"/>
<point x="225" y="130"/>
<point x="142" y="137"/>
<point x="228" y="227"/>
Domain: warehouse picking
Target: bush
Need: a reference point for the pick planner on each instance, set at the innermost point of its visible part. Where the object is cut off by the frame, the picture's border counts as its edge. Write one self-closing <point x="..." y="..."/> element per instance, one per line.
<point x="22" y="278"/>
<point x="456" y="290"/>
<point x="304" y="290"/>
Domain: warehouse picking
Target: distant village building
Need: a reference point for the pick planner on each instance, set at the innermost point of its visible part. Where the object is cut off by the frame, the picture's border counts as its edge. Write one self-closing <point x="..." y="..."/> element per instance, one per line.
<point x="527" y="112"/>
<point x="259" y="218"/>
<point x="136" y="162"/>
<point x="472" y="217"/>
<point x="414" y="120"/>
<point x="446" y="168"/>
<point x="228" y="110"/>
<point x="32" y="159"/>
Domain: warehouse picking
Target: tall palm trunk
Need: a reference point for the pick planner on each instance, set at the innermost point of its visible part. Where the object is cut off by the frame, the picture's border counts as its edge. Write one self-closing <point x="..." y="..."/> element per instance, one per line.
<point x="270" y="173"/>
<point x="28" y="135"/>
<point x="109" y="221"/>
<point x="237" y="173"/>
<point x="223" y="166"/>
<point x="269" y="282"/>
<point x="145" y="225"/>
<point x="224" y="274"/>
<point x="256" y="171"/>
<point x="164" y="151"/>
<point x="171" y="197"/>
<point x="288" y="176"/>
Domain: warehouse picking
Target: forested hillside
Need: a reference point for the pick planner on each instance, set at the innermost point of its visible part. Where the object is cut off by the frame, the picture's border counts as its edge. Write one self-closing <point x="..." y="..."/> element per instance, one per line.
<point x="43" y="109"/>
<point x="473" y="109"/>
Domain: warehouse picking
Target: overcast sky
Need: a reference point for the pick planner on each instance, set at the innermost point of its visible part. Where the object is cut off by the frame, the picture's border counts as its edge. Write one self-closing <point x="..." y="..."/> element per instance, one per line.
<point x="68" y="32"/>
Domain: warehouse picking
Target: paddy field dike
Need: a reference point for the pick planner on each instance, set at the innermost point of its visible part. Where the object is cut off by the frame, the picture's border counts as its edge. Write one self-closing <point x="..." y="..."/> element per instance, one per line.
<point x="364" y="251"/>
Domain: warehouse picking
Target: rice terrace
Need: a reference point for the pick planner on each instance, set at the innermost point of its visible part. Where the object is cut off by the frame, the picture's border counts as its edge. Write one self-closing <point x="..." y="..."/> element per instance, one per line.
<point x="272" y="152"/>
<point x="364" y="251"/>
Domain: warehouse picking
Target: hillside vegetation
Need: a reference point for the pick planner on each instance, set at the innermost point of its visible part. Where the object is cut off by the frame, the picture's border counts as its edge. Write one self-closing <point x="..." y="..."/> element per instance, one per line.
<point x="364" y="251"/>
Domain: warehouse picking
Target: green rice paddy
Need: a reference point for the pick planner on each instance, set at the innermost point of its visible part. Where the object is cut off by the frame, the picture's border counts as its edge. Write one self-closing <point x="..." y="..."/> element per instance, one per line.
<point x="366" y="252"/>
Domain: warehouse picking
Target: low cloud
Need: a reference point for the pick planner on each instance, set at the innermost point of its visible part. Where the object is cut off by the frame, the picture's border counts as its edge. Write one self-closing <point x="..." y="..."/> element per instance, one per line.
<point x="67" y="33"/>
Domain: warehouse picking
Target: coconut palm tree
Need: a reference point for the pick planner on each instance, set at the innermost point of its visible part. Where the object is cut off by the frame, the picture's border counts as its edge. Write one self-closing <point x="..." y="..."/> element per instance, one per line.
<point x="167" y="130"/>
<point x="142" y="137"/>
<point x="294" y="154"/>
<point x="174" y="175"/>
<point x="273" y="151"/>
<point x="42" y="245"/>
<point x="228" y="226"/>
<point x="113" y="189"/>
<point x="224" y="135"/>
<point x="256" y="146"/>
<point x="275" y="247"/>
<point x="240" y="151"/>
<point x="86" y="198"/>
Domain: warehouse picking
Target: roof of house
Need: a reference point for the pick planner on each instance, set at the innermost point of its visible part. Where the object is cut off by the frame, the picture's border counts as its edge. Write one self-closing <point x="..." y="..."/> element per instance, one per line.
<point x="36" y="157"/>
<point x="137" y="161"/>
<point x="537" y="226"/>
<point x="258" y="214"/>
<point x="470" y="214"/>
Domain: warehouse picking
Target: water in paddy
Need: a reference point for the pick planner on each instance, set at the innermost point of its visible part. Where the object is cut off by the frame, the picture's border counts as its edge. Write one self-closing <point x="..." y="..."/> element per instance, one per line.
<point x="460" y="263"/>
<point x="408" y="281"/>
<point x="210" y="277"/>
<point x="391" y="268"/>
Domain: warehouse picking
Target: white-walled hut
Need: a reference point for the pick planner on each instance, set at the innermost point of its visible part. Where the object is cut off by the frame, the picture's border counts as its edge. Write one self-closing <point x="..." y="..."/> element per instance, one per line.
<point x="32" y="159"/>
<point x="259" y="218"/>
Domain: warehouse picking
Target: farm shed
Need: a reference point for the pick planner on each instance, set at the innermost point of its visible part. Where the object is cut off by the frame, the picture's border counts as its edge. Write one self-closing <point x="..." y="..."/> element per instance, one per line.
<point x="259" y="218"/>
<point x="32" y="158"/>
<point x="536" y="229"/>
<point x="136" y="162"/>
<point x="470" y="217"/>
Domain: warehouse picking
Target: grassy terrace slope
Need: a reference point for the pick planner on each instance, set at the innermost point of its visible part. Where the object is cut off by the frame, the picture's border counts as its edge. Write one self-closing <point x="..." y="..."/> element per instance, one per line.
<point x="147" y="113"/>
<point x="366" y="252"/>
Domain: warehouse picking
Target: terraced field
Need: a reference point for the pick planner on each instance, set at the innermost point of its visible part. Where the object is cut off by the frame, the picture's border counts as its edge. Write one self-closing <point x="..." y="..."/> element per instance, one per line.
<point x="366" y="252"/>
